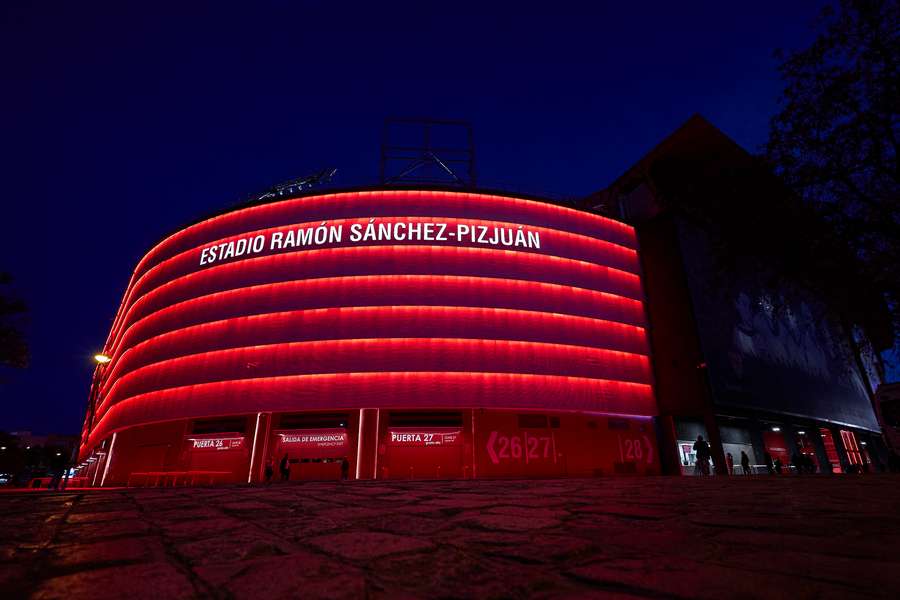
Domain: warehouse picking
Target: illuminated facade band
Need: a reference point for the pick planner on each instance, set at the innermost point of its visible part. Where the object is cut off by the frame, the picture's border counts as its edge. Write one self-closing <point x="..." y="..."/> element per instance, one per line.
<point x="377" y="303"/>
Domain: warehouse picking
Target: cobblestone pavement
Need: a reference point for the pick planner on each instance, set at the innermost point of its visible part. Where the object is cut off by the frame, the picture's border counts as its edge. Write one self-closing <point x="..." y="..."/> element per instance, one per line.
<point x="655" y="537"/>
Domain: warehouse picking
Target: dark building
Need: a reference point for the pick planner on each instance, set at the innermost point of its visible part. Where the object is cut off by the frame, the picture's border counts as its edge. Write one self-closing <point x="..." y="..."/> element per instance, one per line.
<point x="749" y="368"/>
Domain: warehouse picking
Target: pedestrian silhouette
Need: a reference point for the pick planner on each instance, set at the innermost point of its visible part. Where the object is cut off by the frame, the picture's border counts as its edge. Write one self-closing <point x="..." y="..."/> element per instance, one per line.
<point x="797" y="463"/>
<point x="770" y="467"/>
<point x="285" y="468"/>
<point x="745" y="463"/>
<point x="701" y="448"/>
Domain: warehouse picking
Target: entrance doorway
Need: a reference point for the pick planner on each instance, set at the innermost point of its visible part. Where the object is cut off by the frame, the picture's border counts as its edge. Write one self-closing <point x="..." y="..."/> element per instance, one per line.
<point x="831" y="450"/>
<point x="422" y="446"/>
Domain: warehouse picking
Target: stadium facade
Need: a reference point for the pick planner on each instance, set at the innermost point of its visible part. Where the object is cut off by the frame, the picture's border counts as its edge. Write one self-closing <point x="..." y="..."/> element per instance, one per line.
<point x="447" y="333"/>
<point x="391" y="333"/>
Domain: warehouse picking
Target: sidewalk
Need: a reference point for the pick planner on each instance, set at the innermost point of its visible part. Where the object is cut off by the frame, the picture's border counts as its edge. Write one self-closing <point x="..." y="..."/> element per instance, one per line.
<point x="761" y="537"/>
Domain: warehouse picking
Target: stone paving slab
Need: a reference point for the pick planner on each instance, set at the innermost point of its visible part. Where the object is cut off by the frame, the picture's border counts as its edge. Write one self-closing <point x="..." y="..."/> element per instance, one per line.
<point x="661" y="537"/>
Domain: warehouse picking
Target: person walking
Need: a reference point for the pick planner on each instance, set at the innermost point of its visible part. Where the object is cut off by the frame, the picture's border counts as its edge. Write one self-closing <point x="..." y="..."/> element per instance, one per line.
<point x="701" y="449"/>
<point x="797" y="463"/>
<point x="285" y="467"/>
<point x="729" y="463"/>
<point x="770" y="467"/>
<point x="57" y="469"/>
<point x="270" y="469"/>
<point x="345" y="469"/>
<point x="745" y="463"/>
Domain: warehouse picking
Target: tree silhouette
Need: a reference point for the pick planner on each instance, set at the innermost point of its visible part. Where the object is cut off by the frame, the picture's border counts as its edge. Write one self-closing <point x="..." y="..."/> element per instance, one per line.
<point x="13" y="349"/>
<point x="835" y="139"/>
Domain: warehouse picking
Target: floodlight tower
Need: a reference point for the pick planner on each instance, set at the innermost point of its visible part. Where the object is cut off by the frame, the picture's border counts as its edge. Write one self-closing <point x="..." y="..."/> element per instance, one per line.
<point x="430" y="151"/>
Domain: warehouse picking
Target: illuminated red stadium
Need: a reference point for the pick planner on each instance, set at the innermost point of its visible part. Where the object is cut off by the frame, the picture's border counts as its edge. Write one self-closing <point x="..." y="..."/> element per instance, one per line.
<point x="385" y="334"/>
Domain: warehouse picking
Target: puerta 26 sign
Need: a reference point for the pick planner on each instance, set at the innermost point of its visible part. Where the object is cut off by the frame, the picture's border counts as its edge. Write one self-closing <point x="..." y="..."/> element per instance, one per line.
<point x="400" y="231"/>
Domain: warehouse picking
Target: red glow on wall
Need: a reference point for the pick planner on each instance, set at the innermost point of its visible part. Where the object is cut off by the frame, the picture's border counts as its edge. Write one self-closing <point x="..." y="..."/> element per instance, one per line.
<point x="381" y="355"/>
<point x="389" y="324"/>
<point x="370" y="204"/>
<point x="397" y="389"/>
<point x="380" y="322"/>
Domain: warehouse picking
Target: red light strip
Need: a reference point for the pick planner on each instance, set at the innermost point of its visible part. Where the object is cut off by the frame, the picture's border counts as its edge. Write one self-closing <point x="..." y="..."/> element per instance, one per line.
<point x="384" y="389"/>
<point x="387" y="261"/>
<point x="414" y="354"/>
<point x="432" y="207"/>
<point x="187" y="260"/>
<point x="393" y="288"/>
<point x="383" y="321"/>
<point x="449" y="201"/>
<point x="401" y="259"/>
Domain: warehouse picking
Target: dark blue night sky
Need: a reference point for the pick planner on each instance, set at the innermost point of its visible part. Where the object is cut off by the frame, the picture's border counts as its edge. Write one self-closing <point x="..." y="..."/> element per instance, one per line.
<point x="122" y="122"/>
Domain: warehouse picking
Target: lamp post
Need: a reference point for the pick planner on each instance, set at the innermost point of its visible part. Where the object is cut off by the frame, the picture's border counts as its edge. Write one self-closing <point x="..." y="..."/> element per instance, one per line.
<point x="102" y="360"/>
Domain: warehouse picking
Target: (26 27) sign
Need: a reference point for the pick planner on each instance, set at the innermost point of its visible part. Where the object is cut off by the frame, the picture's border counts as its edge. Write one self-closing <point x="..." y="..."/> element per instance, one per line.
<point x="520" y="447"/>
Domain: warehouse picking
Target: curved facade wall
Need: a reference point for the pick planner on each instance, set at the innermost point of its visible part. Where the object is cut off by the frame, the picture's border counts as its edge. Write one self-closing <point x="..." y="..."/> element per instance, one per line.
<point x="380" y="299"/>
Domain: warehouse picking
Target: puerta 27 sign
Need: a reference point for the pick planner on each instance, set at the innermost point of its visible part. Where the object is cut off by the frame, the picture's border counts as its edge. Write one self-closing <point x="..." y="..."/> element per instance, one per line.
<point x="425" y="438"/>
<point x="513" y="236"/>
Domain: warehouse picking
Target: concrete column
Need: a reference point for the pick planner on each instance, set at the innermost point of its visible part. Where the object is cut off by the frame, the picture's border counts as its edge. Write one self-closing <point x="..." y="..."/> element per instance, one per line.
<point x="363" y="465"/>
<point x="667" y="439"/>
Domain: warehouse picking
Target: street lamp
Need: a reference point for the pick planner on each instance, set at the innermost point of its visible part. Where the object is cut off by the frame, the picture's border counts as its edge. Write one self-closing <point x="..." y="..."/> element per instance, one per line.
<point x="102" y="360"/>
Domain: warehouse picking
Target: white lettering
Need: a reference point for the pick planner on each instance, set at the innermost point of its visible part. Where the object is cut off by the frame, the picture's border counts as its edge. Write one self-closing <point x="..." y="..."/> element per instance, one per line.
<point x="259" y="242"/>
<point x="412" y="231"/>
<point x="520" y="239"/>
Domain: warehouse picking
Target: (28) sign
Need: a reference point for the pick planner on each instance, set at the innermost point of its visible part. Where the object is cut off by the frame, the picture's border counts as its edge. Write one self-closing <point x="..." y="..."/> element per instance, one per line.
<point x="521" y="447"/>
<point x="635" y="449"/>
